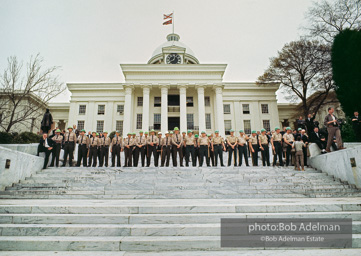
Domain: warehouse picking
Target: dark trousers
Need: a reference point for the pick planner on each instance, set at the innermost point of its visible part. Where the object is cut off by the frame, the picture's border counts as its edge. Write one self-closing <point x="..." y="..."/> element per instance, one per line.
<point x="203" y="152"/>
<point x="68" y="151"/>
<point x="218" y="152"/>
<point x="277" y="152"/>
<point x="166" y="155"/>
<point x="93" y="152"/>
<point x="211" y="156"/>
<point x="265" y="155"/>
<point x="99" y="154"/>
<point x="104" y="157"/>
<point x="152" y="150"/>
<point x="196" y="156"/>
<point x="288" y="154"/>
<point x="304" y="150"/>
<point x="116" y="154"/>
<point x="55" y="155"/>
<point x="242" y="152"/>
<point x="136" y="152"/>
<point x="82" y="154"/>
<point x="190" y="152"/>
<point x="143" y="151"/>
<point x="255" y="154"/>
<point x="175" y="149"/>
<point x="232" y="151"/>
<point x="128" y="156"/>
<point x="159" y="153"/>
<point x="134" y="155"/>
<point x="47" y="152"/>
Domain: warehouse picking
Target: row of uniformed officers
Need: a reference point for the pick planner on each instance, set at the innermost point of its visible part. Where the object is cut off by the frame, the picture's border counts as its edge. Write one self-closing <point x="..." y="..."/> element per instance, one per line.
<point x="187" y="147"/>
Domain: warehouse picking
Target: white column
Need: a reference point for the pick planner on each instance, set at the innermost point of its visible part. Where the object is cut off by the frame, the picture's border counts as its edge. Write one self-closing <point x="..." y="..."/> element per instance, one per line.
<point x="183" y="107"/>
<point x="108" y="125"/>
<point x="73" y="114"/>
<point x="90" y="116"/>
<point x="220" y="115"/>
<point x="127" y="110"/>
<point x="145" y="116"/>
<point x="164" y="109"/>
<point x="201" y="109"/>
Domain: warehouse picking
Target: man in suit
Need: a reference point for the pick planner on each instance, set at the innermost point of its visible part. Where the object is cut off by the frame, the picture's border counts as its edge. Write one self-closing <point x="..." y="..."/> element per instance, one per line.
<point x="356" y="124"/>
<point x="310" y="123"/>
<point x="333" y="129"/>
<point x="46" y="146"/>
<point x="315" y="137"/>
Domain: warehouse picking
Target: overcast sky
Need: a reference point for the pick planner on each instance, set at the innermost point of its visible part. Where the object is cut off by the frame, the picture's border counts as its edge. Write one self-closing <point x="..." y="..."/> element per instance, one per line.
<point x="90" y="38"/>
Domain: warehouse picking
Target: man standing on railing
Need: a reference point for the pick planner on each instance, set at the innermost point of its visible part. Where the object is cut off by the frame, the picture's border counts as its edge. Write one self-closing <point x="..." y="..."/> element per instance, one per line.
<point x="333" y="129"/>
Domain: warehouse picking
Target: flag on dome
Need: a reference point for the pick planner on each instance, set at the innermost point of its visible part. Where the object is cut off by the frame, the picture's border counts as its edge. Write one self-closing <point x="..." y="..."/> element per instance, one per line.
<point x="167" y="16"/>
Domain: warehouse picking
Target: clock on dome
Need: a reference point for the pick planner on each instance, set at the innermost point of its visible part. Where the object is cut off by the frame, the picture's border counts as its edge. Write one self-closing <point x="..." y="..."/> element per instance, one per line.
<point x="174" y="58"/>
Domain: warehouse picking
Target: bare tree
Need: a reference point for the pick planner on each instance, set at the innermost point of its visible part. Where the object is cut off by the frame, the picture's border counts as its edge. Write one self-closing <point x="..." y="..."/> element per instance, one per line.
<point x="303" y="68"/>
<point x="23" y="96"/>
<point x="328" y="18"/>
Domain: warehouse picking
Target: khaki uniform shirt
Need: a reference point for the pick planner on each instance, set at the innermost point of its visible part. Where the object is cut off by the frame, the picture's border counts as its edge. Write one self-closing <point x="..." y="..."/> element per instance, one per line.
<point x="58" y="138"/>
<point x="70" y="136"/>
<point x="117" y="140"/>
<point x="203" y="141"/>
<point x="253" y="140"/>
<point x="152" y="138"/>
<point x="288" y="137"/>
<point x="263" y="139"/>
<point x="166" y="141"/>
<point x="189" y="140"/>
<point x="232" y="139"/>
<point x="242" y="139"/>
<point x="105" y="141"/>
<point x="83" y="140"/>
<point x="277" y="137"/>
<point x="129" y="141"/>
<point x="177" y="139"/>
<point x="217" y="140"/>
<point x="141" y="141"/>
<point x="94" y="141"/>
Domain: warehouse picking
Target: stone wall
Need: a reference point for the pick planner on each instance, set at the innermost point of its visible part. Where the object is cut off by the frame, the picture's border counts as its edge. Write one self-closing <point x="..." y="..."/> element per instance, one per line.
<point x="25" y="148"/>
<point x="22" y="165"/>
<point x="338" y="164"/>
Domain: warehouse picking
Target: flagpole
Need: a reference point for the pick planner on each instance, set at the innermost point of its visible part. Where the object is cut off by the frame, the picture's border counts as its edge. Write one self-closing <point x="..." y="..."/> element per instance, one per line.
<point x="173" y="22"/>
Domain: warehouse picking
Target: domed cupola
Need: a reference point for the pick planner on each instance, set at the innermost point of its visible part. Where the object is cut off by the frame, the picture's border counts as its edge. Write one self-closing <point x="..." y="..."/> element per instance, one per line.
<point x="173" y="52"/>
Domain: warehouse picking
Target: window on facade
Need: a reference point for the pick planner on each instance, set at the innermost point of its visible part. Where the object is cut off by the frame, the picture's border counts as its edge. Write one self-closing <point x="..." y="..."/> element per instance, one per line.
<point x="264" y="108"/>
<point x="190" y="121"/>
<point x="100" y="126"/>
<point x="208" y="121"/>
<point x="157" y="101"/>
<point x="140" y="101"/>
<point x="247" y="126"/>
<point x="82" y="109"/>
<point x="119" y="126"/>
<point x="189" y="101"/>
<point x="120" y="109"/>
<point x="226" y="108"/>
<point x="227" y="126"/>
<point x="246" y="109"/>
<point x="139" y="121"/>
<point x="80" y="125"/>
<point x="101" y="109"/>
<point x="157" y="121"/>
<point x="207" y="101"/>
<point x="266" y="125"/>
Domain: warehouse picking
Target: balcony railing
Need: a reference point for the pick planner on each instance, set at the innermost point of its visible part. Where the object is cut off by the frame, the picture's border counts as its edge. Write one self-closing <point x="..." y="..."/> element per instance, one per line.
<point x="174" y="109"/>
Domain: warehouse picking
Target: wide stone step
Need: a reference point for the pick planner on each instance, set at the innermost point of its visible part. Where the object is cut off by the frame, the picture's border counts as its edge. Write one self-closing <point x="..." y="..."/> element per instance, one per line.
<point x="212" y="229"/>
<point x="119" y="243"/>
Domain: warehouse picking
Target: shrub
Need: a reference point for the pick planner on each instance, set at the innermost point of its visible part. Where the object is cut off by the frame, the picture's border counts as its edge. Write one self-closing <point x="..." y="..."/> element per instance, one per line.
<point x="22" y="138"/>
<point x="5" y="138"/>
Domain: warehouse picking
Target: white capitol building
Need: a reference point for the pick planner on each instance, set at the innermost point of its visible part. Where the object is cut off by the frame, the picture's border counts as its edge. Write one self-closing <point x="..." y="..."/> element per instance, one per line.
<point x="172" y="89"/>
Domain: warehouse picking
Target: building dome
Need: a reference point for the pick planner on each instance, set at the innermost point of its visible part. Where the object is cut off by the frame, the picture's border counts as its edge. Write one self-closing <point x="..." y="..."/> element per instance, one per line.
<point x="173" y="40"/>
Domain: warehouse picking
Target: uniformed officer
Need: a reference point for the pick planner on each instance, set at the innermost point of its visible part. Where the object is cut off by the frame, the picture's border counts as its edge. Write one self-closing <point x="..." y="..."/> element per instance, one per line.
<point x="83" y="144"/>
<point x="196" y="150"/>
<point x="264" y="146"/>
<point x="184" y="134"/>
<point x="159" y="147"/>
<point x="104" y="149"/>
<point x="115" y="148"/>
<point x="146" y="147"/>
<point x="166" y="144"/>
<point x="210" y="151"/>
<point x="177" y="147"/>
<point x="140" y="147"/>
<point x="93" y="150"/>
<point x="203" y="143"/>
<point x="69" y="145"/>
<point x="58" y="139"/>
<point x="253" y="144"/>
<point x="152" y="143"/>
<point x="189" y="145"/>
<point x="288" y="139"/>
<point x="242" y="148"/>
<point x="134" y="137"/>
<point x="128" y="149"/>
<point x="218" y="147"/>
<point x="232" y="148"/>
<point x="276" y="142"/>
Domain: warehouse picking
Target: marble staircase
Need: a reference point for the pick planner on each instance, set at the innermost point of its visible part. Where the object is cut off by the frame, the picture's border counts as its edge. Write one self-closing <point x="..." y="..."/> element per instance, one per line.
<point x="163" y="211"/>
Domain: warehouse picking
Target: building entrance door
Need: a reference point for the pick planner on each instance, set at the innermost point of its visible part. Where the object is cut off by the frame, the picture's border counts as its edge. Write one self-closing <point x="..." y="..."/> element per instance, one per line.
<point x="173" y="122"/>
